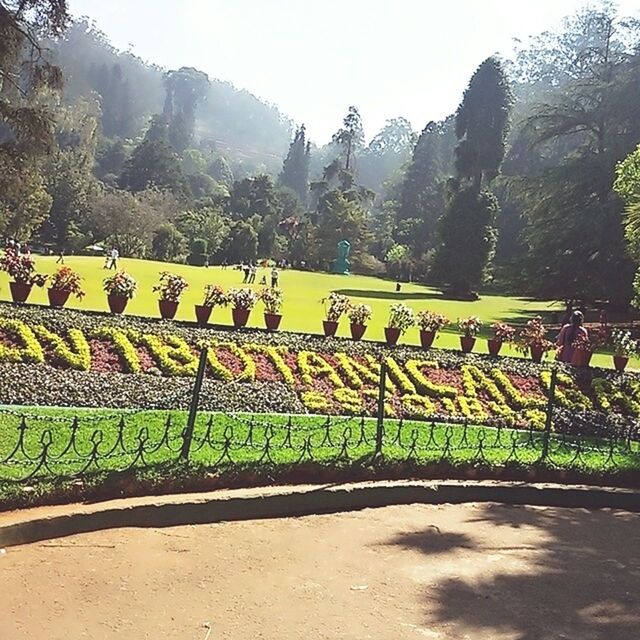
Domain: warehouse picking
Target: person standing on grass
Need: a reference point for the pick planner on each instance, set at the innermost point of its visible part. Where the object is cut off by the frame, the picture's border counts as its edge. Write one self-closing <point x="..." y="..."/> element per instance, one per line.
<point x="274" y="278"/>
<point x="252" y="273"/>
<point x="568" y="335"/>
<point x="114" y="259"/>
<point x="60" y="259"/>
<point x="245" y="270"/>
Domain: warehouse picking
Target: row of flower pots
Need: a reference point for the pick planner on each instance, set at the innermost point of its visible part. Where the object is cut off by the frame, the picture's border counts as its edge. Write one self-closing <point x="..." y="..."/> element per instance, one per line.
<point x="169" y="308"/>
<point x="121" y="287"/>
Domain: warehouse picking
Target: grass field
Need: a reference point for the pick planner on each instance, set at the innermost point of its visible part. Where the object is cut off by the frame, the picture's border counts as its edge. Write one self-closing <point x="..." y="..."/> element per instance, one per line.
<point x="303" y="291"/>
<point x="454" y="443"/>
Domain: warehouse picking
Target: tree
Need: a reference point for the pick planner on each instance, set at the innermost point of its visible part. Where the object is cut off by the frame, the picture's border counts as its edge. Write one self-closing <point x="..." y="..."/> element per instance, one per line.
<point x="389" y="149"/>
<point x="295" y="168"/>
<point x="242" y="243"/>
<point x="68" y="175"/>
<point x="574" y="220"/>
<point x="467" y="238"/>
<point x="128" y="221"/>
<point x="481" y="124"/>
<point x="185" y="88"/>
<point x="340" y="217"/>
<point x="466" y="230"/>
<point x="208" y="223"/>
<point x="168" y="243"/>
<point x="254" y="196"/>
<point x="154" y="164"/>
<point x="26" y="117"/>
<point x="422" y="190"/>
<point x="350" y="137"/>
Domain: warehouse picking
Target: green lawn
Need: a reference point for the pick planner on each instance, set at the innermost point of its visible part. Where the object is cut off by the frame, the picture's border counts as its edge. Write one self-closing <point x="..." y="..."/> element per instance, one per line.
<point x="303" y="291"/>
<point x="224" y="441"/>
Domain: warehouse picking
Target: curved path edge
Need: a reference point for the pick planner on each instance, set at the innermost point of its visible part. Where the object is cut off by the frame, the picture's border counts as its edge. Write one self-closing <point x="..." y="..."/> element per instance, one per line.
<point x="43" y="523"/>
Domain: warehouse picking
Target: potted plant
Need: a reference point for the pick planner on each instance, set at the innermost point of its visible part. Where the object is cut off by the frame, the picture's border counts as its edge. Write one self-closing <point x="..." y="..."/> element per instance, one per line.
<point x="214" y="296"/>
<point x="585" y="346"/>
<point x="242" y="300"/>
<point x="469" y="327"/>
<point x="171" y="287"/>
<point x="502" y="332"/>
<point x="359" y="315"/>
<point x="338" y="305"/>
<point x="532" y="339"/>
<point x="22" y="269"/>
<point x="624" y="346"/>
<point x="400" y="319"/>
<point x="64" y="282"/>
<point x="272" y="299"/>
<point x="120" y="288"/>
<point x="430" y="323"/>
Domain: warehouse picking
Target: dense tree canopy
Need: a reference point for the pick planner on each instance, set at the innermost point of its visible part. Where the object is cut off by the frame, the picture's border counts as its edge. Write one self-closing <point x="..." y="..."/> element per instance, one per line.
<point x="532" y="184"/>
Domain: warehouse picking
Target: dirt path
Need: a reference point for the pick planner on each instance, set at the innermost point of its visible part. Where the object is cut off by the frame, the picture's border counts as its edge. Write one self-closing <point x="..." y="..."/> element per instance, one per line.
<point x="438" y="572"/>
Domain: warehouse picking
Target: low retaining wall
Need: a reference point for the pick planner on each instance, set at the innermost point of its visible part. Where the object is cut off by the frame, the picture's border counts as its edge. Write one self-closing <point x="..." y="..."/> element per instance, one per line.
<point x="22" y="527"/>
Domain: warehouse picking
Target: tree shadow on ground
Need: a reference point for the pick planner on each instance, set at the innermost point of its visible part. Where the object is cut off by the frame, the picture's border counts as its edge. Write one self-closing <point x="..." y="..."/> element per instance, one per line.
<point x="432" y="541"/>
<point x="580" y="581"/>
<point x="391" y="295"/>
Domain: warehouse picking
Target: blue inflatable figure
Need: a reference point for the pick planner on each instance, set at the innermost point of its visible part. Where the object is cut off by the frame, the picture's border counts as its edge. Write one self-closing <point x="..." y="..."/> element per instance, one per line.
<point x="342" y="264"/>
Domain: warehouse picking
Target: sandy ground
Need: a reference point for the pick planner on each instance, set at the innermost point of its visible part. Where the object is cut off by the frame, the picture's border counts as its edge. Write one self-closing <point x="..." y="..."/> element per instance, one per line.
<point x="437" y="572"/>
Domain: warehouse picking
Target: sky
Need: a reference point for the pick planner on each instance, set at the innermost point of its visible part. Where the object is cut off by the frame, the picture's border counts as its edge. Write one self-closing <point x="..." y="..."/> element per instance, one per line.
<point x="314" y="58"/>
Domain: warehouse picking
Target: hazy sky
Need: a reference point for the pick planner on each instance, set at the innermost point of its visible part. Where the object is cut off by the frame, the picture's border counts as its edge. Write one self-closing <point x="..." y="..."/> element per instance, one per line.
<point x="314" y="58"/>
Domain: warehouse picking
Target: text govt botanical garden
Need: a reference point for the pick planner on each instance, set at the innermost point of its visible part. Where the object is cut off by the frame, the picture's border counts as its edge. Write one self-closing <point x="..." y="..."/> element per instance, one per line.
<point x="92" y="361"/>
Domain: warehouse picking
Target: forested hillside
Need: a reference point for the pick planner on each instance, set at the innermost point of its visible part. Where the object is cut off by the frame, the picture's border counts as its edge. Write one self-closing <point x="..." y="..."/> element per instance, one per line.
<point x="514" y="190"/>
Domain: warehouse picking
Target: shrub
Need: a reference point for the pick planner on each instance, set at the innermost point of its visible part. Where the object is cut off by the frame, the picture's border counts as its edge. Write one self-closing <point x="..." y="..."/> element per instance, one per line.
<point x="622" y="342"/>
<point x="430" y="321"/>
<point x="272" y="299"/>
<point x="120" y="284"/>
<point x="171" y="286"/>
<point x="21" y="268"/>
<point x="338" y="306"/>
<point x="401" y="317"/>
<point x="214" y="296"/>
<point x="360" y="313"/>
<point x="198" y="256"/>
<point x="503" y="331"/>
<point x="243" y="298"/>
<point x="469" y="326"/>
<point x="533" y="335"/>
<point x="67" y="280"/>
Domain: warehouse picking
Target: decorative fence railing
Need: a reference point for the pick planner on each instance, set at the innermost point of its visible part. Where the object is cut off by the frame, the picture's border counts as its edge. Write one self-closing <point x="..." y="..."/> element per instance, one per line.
<point x="77" y="446"/>
<point x="42" y="445"/>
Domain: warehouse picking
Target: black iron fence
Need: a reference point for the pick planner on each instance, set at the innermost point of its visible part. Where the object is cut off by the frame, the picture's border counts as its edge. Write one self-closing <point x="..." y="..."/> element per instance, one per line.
<point x="40" y="446"/>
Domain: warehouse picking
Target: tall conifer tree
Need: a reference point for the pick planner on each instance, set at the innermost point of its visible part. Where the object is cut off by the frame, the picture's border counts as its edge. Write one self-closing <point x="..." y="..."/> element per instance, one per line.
<point x="467" y="233"/>
<point x="295" y="168"/>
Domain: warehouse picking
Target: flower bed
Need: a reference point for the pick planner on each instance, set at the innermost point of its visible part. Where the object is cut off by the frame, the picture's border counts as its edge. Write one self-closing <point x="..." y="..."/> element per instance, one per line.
<point x="71" y="358"/>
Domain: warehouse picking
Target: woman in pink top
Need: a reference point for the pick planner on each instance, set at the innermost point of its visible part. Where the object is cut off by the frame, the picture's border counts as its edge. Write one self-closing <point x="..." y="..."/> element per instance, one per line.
<point x="568" y="335"/>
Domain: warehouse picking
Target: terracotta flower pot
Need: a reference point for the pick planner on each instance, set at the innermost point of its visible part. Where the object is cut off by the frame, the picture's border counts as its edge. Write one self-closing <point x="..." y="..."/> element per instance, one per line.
<point x="427" y="338"/>
<point x="467" y="343"/>
<point x="272" y="321"/>
<point x="168" y="309"/>
<point x="494" y="346"/>
<point x="330" y="327"/>
<point x="202" y="314"/>
<point x="58" y="297"/>
<point x="117" y="304"/>
<point x="19" y="291"/>
<point x="357" y="330"/>
<point x="240" y="317"/>
<point x="581" y="358"/>
<point x="536" y="353"/>
<point x="620" y="362"/>
<point x="392" y="334"/>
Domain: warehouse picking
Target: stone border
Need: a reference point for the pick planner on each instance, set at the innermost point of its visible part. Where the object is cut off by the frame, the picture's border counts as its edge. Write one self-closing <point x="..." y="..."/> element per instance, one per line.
<point x="43" y="523"/>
